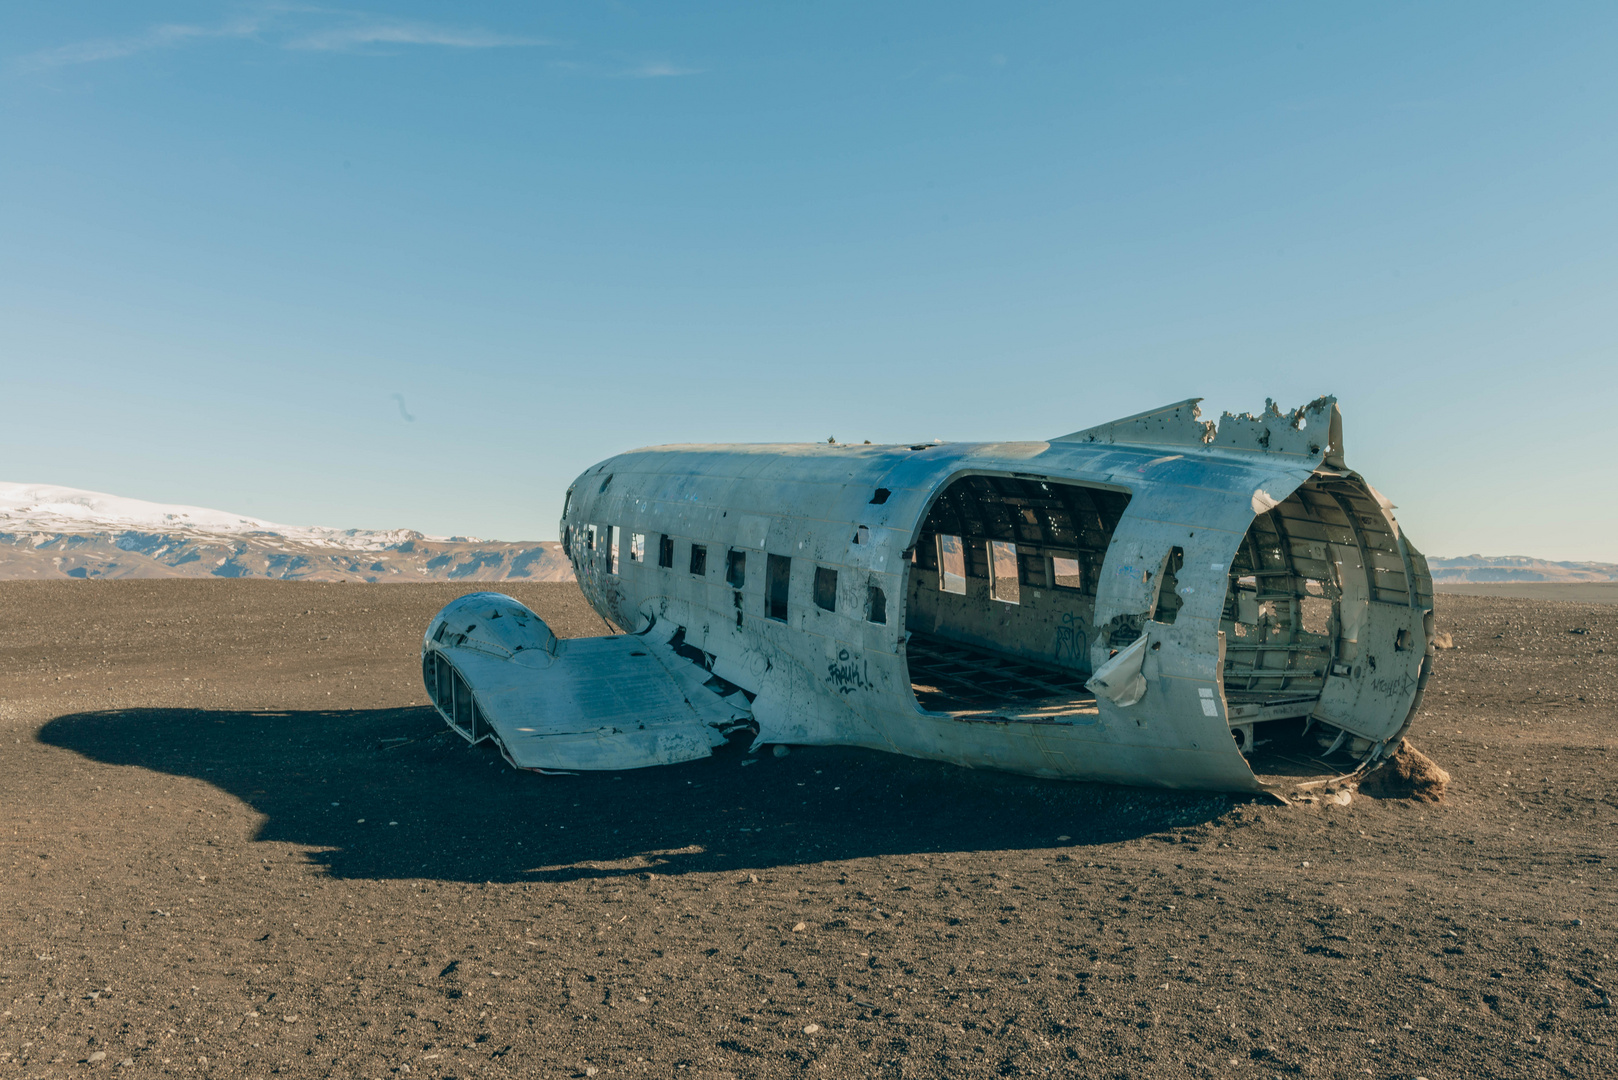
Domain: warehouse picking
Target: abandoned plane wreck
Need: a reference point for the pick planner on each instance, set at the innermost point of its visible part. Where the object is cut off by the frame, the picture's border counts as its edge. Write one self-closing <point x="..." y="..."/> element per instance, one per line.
<point x="1151" y="601"/>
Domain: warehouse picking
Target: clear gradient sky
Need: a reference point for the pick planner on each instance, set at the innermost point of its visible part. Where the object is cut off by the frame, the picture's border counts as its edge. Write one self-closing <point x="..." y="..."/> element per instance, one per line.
<point x="231" y="234"/>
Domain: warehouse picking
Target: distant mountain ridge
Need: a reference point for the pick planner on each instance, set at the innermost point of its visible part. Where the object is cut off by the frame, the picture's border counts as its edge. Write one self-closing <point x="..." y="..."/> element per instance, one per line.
<point x="58" y="532"/>
<point x="1503" y="568"/>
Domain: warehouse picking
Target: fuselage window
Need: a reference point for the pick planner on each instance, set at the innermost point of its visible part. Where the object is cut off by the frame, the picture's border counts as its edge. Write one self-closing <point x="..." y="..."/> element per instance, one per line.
<point x="876" y="604"/>
<point x="699" y="560"/>
<point x="1004" y="584"/>
<point x="589" y="538"/>
<point x="1066" y="573"/>
<point x="665" y="552"/>
<point x="637" y="547"/>
<point x="1168" y="603"/>
<point x="951" y="564"/>
<point x="736" y="569"/>
<point x="612" y="549"/>
<point x="825" y="588"/>
<point x="777" y="579"/>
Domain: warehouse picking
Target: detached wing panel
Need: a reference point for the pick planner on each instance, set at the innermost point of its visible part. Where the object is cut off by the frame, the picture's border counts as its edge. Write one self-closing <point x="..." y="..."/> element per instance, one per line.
<point x="494" y="670"/>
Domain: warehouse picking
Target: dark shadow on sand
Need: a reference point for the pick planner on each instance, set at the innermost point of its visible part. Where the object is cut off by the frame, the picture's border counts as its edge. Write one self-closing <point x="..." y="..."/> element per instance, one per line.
<point x="463" y="814"/>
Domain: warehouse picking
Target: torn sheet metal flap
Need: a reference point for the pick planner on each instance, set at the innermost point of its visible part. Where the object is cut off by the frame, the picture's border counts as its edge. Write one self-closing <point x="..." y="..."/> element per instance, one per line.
<point x="1120" y="679"/>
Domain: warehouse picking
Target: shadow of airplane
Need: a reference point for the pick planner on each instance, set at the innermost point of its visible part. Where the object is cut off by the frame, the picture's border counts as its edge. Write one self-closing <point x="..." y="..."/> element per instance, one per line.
<point x="434" y="808"/>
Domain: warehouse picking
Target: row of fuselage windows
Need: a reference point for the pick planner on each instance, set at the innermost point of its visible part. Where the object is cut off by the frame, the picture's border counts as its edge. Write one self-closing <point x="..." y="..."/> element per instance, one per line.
<point x="607" y="540"/>
<point x="1006" y="574"/>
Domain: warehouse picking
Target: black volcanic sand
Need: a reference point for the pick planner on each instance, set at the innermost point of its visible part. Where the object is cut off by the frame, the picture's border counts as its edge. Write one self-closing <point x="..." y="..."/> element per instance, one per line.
<point x="236" y="844"/>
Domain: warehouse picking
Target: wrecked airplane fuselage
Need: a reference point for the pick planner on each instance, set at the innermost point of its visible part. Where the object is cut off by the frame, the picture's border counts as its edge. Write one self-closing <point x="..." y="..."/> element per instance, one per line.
<point x="1138" y="602"/>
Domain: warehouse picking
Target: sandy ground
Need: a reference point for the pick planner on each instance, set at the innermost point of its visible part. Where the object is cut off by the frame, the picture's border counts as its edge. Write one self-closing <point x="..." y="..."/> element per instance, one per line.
<point x="1583" y="592"/>
<point x="234" y="843"/>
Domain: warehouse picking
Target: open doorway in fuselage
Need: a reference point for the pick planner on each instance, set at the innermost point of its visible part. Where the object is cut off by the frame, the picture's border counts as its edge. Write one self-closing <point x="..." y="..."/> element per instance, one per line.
<point x="1001" y="597"/>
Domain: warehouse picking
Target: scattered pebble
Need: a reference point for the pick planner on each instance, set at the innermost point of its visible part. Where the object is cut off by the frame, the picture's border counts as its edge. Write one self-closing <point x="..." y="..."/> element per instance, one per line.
<point x="99" y="1055"/>
<point x="800" y="928"/>
<point x="811" y="1029"/>
<point x="781" y="751"/>
<point x="1063" y="839"/>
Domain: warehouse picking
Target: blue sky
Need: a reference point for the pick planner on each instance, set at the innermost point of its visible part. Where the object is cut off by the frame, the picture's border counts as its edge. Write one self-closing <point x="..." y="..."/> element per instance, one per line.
<point x="420" y="264"/>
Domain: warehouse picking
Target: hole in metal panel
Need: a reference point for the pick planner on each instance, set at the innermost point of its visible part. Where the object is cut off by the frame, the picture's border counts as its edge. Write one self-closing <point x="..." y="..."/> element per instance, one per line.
<point x="699" y="559"/>
<point x="1167" y="606"/>
<point x="876" y="604"/>
<point x="736" y="569"/>
<point x="881" y="496"/>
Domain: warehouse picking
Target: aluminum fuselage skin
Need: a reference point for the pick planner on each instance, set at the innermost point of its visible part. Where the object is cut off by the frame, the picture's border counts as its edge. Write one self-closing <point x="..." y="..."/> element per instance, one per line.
<point x="836" y="677"/>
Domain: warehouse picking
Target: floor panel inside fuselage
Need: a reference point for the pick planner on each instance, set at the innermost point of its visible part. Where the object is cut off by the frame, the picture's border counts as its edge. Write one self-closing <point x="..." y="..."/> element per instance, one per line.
<point x="969" y="682"/>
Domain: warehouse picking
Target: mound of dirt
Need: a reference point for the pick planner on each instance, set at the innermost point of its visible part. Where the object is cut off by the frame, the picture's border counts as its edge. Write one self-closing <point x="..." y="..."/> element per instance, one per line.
<point x="1408" y="774"/>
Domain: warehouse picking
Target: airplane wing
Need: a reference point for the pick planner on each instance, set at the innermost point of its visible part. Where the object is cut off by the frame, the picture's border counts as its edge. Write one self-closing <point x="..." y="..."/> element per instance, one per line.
<point x="494" y="670"/>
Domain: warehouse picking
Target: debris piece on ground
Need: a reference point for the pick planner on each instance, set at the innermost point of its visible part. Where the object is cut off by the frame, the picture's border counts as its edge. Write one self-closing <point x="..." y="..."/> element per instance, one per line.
<point x="1408" y="774"/>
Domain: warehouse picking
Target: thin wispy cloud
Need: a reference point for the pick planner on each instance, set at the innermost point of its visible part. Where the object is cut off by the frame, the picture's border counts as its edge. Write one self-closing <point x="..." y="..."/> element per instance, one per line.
<point x="660" y="71"/>
<point x="357" y="36"/>
<point x="166" y="36"/>
<point x="285" y="27"/>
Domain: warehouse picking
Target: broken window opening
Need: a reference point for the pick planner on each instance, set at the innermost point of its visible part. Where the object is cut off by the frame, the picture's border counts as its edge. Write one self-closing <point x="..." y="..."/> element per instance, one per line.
<point x="736" y="569"/>
<point x="612" y="549"/>
<point x="876" y="604"/>
<point x="862" y="535"/>
<point x="777" y="580"/>
<point x="637" y="547"/>
<point x="589" y="538"/>
<point x="665" y="552"/>
<point x="699" y="560"/>
<point x="880" y="496"/>
<point x="1167" y="603"/>
<point x="951" y="564"/>
<point x="825" y="588"/>
<point x="604" y="484"/>
<point x="1066" y="573"/>
<point x="1004" y="574"/>
<point x="567" y="501"/>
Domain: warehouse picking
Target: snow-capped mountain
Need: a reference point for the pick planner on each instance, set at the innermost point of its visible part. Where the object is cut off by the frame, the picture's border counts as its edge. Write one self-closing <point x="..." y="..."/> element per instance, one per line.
<point x="52" y="532"/>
